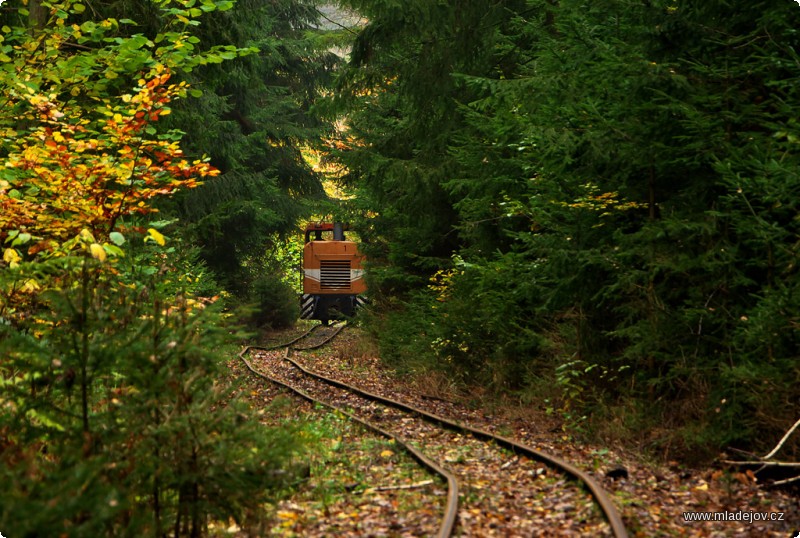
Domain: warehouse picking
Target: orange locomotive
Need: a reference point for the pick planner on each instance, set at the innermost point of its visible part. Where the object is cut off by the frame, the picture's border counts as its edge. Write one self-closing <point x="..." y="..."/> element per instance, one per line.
<point x="333" y="276"/>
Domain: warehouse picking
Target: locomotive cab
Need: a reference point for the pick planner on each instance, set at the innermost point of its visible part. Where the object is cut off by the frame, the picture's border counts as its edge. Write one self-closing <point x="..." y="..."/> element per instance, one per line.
<point x="333" y="277"/>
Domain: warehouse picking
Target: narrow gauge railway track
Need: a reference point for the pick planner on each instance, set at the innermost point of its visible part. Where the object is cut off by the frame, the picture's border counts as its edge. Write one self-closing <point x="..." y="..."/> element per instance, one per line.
<point x="315" y="337"/>
<point x="504" y="476"/>
<point x="312" y="340"/>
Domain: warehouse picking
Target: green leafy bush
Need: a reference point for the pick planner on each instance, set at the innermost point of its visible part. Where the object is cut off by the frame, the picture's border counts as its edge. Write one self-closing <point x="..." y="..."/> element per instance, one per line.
<point x="117" y="421"/>
<point x="276" y="303"/>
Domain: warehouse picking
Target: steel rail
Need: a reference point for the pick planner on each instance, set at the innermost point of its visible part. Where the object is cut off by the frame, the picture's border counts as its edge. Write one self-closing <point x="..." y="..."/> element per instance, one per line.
<point x="451" y="504"/>
<point x="304" y="335"/>
<point x="327" y="339"/>
<point x="598" y="493"/>
<point x="290" y="342"/>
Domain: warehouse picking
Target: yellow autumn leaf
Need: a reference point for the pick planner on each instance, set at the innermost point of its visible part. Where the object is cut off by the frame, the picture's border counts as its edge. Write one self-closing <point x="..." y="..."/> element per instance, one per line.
<point x="156" y="236"/>
<point x="30" y="285"/>
<point x="11" y="257"/>
<point x="387" y="454"/>
<point x="97" y="252"/>
<point x="286" y="514"/>
<point x="86" y="235"/>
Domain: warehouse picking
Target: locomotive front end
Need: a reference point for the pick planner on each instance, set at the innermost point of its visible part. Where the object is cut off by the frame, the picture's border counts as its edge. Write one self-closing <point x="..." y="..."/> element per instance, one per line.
<point x="333" y="276"/>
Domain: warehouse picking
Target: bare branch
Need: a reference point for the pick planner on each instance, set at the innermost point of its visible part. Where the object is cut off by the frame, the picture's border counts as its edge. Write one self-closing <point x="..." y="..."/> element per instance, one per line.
<point x="406" y="486"/>
<point x="343" y="27"/>
<point x="763" y="463"/>
<point x="782" y="441"/>
<point x="786" y="481"/>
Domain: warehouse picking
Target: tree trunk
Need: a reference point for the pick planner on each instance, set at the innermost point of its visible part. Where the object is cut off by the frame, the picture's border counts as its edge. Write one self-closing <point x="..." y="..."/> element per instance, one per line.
<point x="37" y="14"/>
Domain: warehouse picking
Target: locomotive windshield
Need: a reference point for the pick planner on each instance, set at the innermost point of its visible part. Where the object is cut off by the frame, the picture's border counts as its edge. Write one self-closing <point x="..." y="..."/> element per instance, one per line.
<point x="325" y="232"/>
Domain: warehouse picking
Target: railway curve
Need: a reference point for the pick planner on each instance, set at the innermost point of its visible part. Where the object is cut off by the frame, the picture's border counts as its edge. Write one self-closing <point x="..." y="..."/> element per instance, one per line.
<point x="290" y="374"/>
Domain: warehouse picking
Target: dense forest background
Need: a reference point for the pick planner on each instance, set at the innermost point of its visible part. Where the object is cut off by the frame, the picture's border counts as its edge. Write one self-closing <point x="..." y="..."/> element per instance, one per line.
<point x="588" y="206"/>
<point x="590" y="202"/>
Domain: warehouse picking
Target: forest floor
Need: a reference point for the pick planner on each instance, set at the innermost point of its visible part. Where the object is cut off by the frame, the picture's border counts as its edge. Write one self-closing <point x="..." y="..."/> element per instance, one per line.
<point x="361" y="485"/>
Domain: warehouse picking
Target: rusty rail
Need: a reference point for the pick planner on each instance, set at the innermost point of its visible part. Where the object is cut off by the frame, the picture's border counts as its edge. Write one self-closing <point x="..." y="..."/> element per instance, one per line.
<point x="600" y="496"/>
<point x="451" y="504"/>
